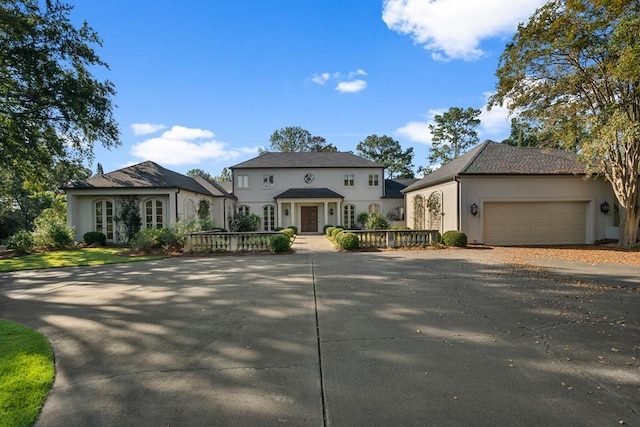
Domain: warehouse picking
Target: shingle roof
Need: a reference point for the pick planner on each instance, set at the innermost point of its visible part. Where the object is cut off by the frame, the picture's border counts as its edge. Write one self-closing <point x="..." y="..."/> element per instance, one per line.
<point x="309" y="193"/>
<point x="214" y="187"/>
<point x="307" y="160"/>
<point x="142" y="175"/>
<point x="393" y="187"/>
<point x="493" y="158"/>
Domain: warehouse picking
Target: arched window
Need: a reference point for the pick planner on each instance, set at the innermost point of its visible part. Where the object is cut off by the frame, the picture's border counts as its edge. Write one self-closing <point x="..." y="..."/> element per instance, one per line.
<point x="418" y="212"/>
<point x="189" y="209"/>
<point x="103" y="215"/>
<point x="153" y="214"/>
<point x="268" y="217"/>
<point x="373" y="208"/>
<point x="349" y="216"/>
<point x="243" y="209"/>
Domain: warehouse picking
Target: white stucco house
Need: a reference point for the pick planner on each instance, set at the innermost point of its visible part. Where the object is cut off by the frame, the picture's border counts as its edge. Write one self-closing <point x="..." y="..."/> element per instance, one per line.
<point x="164" y="197"/>
<point x="504" y="195"/>
<point x="308" y="190"/>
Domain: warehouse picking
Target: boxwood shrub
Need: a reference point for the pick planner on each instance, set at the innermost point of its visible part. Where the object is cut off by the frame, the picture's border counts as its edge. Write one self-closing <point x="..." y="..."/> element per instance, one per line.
<point x="324" y="228"/>
<point x="279" y="243"/>
<point x="349" y="241"/>
<point x="335" y="231"/>
<point x="329" y="230"/>
<point x="288" y="232"/>
<point x="454" y="238"/>
<point x="294" y="228"/>
<point x="94" y="238"/>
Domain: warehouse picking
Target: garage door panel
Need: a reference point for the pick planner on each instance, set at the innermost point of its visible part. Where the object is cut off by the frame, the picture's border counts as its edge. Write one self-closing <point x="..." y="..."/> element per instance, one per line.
<point x="535" y="223"/>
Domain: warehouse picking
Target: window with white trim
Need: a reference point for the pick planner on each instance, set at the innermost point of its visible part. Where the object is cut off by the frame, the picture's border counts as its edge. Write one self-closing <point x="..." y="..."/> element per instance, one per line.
<point x="103" y="215"/>
<point x="349" y="180"/>
<point x="268" y="217"/>
<point x="153" y="214"/>
<point x="242" y="181"/>
<point x="243" y="209"/>
<point x="373" y="208"/>
<point x="374" y="180"/>
<point x="267" y="181"/>
<point x="349" y="216"/>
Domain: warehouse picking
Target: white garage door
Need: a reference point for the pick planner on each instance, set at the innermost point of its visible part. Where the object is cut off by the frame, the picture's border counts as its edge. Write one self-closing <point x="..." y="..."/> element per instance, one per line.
<point x="535" y="223"/>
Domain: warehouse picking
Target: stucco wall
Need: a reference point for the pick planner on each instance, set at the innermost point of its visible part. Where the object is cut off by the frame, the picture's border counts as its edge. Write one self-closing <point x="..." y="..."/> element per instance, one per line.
<point x="448" y="193"/>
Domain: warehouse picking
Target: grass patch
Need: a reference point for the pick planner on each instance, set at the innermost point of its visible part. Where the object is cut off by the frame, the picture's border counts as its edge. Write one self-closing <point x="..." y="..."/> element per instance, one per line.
<point x="70" y="258"/>
<point x="26" y="374"/>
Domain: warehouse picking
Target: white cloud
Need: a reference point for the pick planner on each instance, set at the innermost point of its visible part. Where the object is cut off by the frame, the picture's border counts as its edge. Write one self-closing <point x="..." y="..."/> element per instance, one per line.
<point x="146" y="128"/>
<point x="181" y="145"/>
<point x="358" y="72"/>
<point x="320" y="78"/>
<point x="495" y="124"/>
<point x="352" y="86"/>
<point x="453" y="29"/>
<point x="419" y="131"/>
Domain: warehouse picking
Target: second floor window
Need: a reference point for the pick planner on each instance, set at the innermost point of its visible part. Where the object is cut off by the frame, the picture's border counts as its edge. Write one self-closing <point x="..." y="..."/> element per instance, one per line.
<point x="267" y="181"/>
<point x="374" y="180"/>
<point x="242" y="181"/>
<point x="349" y="180"/>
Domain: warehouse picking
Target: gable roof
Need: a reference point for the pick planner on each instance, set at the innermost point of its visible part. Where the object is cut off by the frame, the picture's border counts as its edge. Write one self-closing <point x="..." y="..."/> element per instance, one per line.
<point x="393" y="187"/>
<point x="142" y="175"/>
<point x="214" y="187"/>
<point x="494" y="158"/>
<point x="307" y="160"/>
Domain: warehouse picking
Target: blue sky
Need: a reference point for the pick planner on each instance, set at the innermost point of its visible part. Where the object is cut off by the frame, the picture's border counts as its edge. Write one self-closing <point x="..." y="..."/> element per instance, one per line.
<point x="203" y="84"/>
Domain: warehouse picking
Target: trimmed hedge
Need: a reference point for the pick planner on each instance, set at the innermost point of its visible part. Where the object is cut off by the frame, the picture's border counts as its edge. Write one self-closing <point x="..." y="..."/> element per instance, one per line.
<point x="335" y="231"/>
<point x="454" y="238"/>
<point x="288" y="232"/>
<point x="349" y="241"/>
<point x="324" y="228"/>
<point x="279" y="243"/>
<point x="294" y="228"/>
<point x="94" y="237"/>
<point x="329" y="230"/>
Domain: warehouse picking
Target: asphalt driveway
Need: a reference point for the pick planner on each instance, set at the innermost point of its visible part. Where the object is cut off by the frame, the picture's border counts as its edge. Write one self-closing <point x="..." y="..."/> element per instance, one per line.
<point x="446" y="337"/>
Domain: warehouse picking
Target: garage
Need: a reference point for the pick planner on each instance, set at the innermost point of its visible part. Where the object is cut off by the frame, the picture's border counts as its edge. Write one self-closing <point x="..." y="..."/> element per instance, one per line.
<point x="535" y="223"/>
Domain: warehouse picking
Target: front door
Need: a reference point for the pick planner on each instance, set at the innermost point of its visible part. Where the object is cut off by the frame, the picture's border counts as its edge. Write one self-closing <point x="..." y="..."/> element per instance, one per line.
<point x="309" y="221"/>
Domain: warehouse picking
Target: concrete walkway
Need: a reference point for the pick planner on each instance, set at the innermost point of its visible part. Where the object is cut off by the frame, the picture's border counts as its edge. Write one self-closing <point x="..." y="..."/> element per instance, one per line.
<point x="309" y="243"/>
<point x="319" y="337"/>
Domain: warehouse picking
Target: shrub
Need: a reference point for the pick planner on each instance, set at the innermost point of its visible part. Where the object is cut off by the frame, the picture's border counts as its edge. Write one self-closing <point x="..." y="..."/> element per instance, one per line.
<point x="349" y="241"/>
<point x="377" y="221"/>
<point x="52" y="233"/>
<point x="129" y="217"/>
<point x="144" y="240"/>
<point x="324" y="228"/>
<point x="454" y="238"/>
<point x="152" y="238"/>
<point x="279" y="243"/>
<point x="329" y="230"/>
<point x="294" y="228"/>
<point x="278" y="229"/>
<point x="362" y="219"/>
<point x="339" y="236"/>
<point x="94" y="238"/>
<point x="399" y="227"/>
<point x="335" y="232"/>
<point x="288" y="232"/>
<point x="241" y="222"/>
<point x="21" y="242"/>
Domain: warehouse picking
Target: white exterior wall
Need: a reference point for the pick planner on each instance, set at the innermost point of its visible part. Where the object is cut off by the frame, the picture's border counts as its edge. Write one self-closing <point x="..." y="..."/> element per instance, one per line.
<point x="449" y="205"/>
<point x="80" y="205"/>
<point x="480" y="190"/>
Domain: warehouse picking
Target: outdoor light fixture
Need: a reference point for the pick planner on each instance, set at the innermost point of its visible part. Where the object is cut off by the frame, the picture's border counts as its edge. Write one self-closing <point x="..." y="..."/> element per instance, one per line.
<point x="286" y="212"/>
<point x="474" y="209"/>
<point x="331" y="211"/>
<point x="604" y="207"/>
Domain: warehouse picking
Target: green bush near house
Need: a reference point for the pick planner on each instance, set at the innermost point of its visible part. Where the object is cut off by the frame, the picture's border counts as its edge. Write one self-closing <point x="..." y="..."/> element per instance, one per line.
<point x="279" y="243"/>
<point x="21" y="242"/>
<point x="399" y="227"/>
<point x="294" y="228"/>
<point x="349" y="241"/>
<point x="335" y="231"/>
<point x="376" y="221"/>
<point x="94" y="238"/>
<point x="339" y="236"/>
<point x="329" y="230"/>
<point x="324" y="228"/>
<point x="288" y="232"/>
<point x="454" y="238"/>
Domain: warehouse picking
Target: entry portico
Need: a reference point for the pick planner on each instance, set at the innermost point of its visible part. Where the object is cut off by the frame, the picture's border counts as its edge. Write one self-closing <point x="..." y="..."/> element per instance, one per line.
<point x="315" y="207"/>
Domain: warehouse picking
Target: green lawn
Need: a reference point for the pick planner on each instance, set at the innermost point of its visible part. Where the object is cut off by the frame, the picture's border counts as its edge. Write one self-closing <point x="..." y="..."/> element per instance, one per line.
<point x="26" y="374"/>
<point x="70" y="258"/>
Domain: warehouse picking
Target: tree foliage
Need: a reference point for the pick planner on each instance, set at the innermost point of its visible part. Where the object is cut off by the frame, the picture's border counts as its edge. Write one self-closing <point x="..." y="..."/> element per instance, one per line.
<point x="225" y="175"/>
<point x="199" y="172"/>
<point x="453" y="133"/>
<point x="297" y="139"/>
<point x="388" y="152"/>
<point x="574" y="67"/>
<point x="51" y="107"/>
<point x="523" y="134"/>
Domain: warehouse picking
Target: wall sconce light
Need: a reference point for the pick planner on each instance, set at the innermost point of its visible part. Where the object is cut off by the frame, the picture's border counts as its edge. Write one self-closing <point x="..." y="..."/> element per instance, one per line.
<point x="330" y="211"/>
<point x="474" y="209"/>
<point x="286" y="212"/>
<point x="604" y="207"/>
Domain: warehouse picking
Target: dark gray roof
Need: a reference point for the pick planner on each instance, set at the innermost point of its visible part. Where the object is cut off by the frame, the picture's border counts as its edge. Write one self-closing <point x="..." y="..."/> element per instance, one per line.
<point x="393" y="187"/>
<point x="214" y="187"/>
<point x="142" y="175"/>
<point x="493" y="158"/>
<point x="309" y="193"/>
<point x="307" y="160"/>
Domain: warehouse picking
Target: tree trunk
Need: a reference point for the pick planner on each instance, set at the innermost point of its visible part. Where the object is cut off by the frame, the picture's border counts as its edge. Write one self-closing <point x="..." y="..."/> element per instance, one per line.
<point x="629" y="222"/>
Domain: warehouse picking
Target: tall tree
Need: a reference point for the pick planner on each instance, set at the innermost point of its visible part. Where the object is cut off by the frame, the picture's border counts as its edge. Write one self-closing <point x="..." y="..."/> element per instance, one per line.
<point x="523" y="134"/>
<point x="199" y="172"/>
<point x="388" y="152"/>
<point x="225" y="175"/>
<point x="574" y="67"/>
<point x="99" y="169"/>
<point x="51" y="107"/>
<point x="297" y="139"/>
<point x="453" y="133"/>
